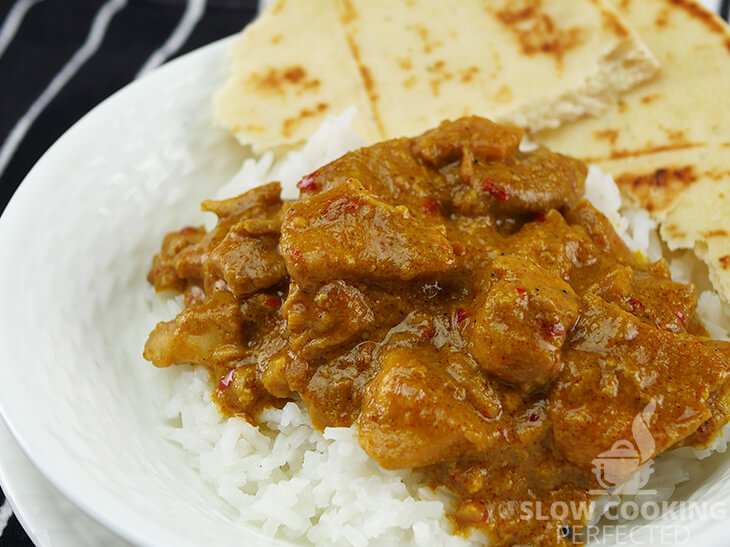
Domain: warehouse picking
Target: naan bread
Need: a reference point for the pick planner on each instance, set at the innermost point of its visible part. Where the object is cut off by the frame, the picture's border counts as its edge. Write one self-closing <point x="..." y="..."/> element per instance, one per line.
<point x="667" y="143"/>
<point x="409" y="65"/>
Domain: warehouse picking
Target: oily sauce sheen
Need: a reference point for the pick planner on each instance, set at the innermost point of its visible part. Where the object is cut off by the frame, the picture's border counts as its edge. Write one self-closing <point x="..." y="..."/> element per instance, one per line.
<point x="454" y="297"/>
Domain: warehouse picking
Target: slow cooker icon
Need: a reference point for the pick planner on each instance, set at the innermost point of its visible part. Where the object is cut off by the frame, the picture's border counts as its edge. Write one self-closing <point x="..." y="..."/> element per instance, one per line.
<point x="616" y="466"/>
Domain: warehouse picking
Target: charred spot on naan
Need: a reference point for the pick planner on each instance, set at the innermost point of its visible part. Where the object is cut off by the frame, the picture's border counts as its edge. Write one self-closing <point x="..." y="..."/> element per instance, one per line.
<point x="277" y="80"/>
<point x="536" y="30"/>
<point x="711" y="21"/>
<point x="659" y="188"/>
<point x="289" y="124"/>
<point x="714" y="233"/>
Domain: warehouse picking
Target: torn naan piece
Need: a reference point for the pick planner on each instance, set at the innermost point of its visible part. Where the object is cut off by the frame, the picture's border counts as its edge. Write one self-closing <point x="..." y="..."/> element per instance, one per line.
<point x="667" y="142"/>
<point x="409" y="65"/>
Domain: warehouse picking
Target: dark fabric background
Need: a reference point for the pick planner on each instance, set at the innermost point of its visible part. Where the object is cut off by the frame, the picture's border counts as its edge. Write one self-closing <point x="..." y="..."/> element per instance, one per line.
<point x="51" y="32"/>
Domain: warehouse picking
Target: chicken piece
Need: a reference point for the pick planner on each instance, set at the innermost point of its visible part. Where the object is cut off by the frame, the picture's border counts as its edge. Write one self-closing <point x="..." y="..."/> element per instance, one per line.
<point x="554" y="245"/>
<point x="326" y="317"/>
<point x="387" y="169"/>
<point x="477" y="137"/>
<point x="531" y="182"/>
<point x="266" y="335"/>
<point x="627" y="381"/>
<point x="408" y="171"/>
<point x="273" y="377"/>
<point x="210" y="334"/>
<point x="239" y="392"/>
<point x="164" y="275"/>
<point x="416" y="412"/>
<point x="247" y="262"/>
<point x="652" y="297"/>
<point x="524" y="183"/>
<point x="348" y="233"/>
<point x="522" y="315"/>
<point x="601" y="231"/>
<point x="616" y="286"/>
<point x="262" y="203"/>
<point x="333" y="391"/>
<point x="718" y="403"/>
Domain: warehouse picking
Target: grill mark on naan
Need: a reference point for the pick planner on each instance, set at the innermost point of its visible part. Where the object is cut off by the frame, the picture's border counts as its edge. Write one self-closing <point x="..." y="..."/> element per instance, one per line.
<point x="347" y="15"/>
<point x="660" y="187"/>
<point x="628" y="153"/>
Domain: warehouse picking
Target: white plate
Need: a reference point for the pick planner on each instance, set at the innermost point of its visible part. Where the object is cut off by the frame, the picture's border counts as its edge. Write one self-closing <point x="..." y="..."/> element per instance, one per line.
<point x="75" y="244"/>
<point x="47" y="517"/>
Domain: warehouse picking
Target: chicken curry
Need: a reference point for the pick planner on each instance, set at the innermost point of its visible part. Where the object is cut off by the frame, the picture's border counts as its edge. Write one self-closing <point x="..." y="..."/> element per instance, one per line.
<point x="454" y="297"/>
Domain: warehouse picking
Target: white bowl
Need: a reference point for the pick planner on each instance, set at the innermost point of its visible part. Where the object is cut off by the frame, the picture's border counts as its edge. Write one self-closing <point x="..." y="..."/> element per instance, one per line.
<point x="49" y="519"/>
<point x="76" y="242"/>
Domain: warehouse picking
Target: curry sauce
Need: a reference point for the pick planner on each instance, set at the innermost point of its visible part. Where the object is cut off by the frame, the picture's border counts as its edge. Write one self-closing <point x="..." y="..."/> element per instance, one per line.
<point x="454" y="297"/>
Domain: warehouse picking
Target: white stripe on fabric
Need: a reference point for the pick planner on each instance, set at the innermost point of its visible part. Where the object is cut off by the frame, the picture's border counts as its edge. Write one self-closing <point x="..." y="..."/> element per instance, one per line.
<point x="193" y="12"/>
<point x="5" y="513"/>
<point x="13" y="21"/>
<point x="89" y="47"/>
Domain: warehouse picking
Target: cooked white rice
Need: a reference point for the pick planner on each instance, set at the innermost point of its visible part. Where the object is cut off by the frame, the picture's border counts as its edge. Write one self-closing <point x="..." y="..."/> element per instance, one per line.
<point x="296" y="483"/>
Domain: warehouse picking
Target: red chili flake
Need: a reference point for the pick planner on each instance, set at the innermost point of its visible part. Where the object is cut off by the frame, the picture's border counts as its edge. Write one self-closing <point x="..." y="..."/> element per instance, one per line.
<point x="533" y="417"/>
<point x="187" y="230"/>
<point x="226" y="381"/>
<point x="541" y="217"/>
<point x="431" y="206"/>
<point x="426" y="331"/>
<point x="489" y="185"/>
<point x="461" y="315"/>
<point x="157" y="272"/>
<point x="681" y="317"/>
<point x="636" y="305"/>
<point x="295" y="254"/>
<point x="452" y="477"/>
<point x="273" y="302"/>
<point x="309" y="182"/>
<point x="521" y="291"/>
<point x="553" y="330"/>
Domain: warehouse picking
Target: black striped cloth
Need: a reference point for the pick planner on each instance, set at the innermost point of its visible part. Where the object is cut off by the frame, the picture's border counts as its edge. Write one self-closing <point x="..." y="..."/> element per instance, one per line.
<point x="42" y="41"/>
<point x="52" y="31"/>
<point x="59" y="58"/>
